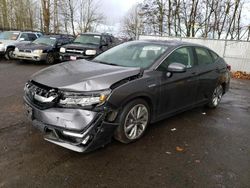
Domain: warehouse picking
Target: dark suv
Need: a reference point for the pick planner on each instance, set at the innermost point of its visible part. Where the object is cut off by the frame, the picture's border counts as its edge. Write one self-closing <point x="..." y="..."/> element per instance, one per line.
<point x="87" y="46"/>
<point x="45" y="48"/>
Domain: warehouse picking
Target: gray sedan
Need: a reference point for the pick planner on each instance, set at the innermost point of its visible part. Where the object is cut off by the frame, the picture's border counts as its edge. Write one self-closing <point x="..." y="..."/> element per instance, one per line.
<point x="83" y="105"/>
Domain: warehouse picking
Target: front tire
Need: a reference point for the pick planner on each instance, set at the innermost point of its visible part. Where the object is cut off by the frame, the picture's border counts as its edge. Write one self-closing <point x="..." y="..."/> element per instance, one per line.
<point x="9" y="54"/>
<point x="50" y="59"/>
<point x="216" y="97"/>
<point x="134" y="120"/>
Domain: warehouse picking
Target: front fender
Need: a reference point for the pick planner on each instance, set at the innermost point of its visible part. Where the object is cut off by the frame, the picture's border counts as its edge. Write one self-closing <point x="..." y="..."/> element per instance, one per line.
<point x="135" y="89"/>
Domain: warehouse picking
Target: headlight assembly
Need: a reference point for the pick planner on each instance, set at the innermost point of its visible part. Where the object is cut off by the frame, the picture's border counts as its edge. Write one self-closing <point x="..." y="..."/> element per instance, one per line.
<point x="90" y="52"/>
<point x="38" y="51"/>
<point x="62" y="50"/>
<point x="16" y="49"/>
<point x="80" y="100"/>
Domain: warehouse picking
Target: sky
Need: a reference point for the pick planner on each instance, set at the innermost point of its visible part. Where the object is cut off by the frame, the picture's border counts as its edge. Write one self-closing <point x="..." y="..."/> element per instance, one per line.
<point x="114" y="10"/>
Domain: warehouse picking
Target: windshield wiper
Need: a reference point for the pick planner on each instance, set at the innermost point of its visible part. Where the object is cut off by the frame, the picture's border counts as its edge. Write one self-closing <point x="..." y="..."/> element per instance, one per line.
<point x="106" y="63"/>
<point x="90" y="43"/>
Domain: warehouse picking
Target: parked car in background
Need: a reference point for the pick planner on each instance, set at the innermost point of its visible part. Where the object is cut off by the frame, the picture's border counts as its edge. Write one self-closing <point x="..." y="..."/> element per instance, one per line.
<point x="45" y="48"/>
<point x="9" y="40"/>
<point x="82" y="105"/>
<point x="87" y="46"/>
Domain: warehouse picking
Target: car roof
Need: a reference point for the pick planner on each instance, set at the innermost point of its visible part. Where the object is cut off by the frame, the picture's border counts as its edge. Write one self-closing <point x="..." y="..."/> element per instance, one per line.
<point x="89" y="33"/>
<point x="56" y="36"/>
<point x="15" y="31"/>
<point x="173" y="43"/>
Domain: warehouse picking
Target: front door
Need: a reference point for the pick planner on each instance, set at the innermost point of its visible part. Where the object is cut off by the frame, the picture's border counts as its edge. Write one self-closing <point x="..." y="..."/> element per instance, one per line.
<point x="178" y="91"/>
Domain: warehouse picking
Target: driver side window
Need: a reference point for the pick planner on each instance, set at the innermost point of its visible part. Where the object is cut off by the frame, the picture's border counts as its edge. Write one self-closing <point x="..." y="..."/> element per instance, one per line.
<point x="182" y="55"/>
<point x="24" y="36"/>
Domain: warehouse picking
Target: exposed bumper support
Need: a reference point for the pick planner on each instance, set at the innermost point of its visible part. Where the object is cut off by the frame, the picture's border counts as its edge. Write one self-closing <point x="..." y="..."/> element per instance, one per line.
<point x="83" y="132"/>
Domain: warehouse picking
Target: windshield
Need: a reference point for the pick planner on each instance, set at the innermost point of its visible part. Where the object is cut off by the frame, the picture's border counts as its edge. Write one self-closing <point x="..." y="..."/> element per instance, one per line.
<point x="132" y="54"/>
<point x="9" y="35"/>
<point x="45" y="40"/>
<point x="88" y="39"/>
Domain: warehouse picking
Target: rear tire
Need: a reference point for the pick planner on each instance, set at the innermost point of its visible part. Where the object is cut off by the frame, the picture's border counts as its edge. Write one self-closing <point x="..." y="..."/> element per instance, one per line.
<point x="216" y="97"/>
<point x="133" y="120"/>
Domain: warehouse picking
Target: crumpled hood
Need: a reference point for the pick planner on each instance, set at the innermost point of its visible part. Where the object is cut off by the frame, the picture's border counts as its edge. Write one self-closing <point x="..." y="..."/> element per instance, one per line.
<point x="82" y="75"/>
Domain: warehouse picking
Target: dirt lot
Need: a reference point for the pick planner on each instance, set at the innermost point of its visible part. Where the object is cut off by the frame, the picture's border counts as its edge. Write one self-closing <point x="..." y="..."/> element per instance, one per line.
<point x="216" y="147"/>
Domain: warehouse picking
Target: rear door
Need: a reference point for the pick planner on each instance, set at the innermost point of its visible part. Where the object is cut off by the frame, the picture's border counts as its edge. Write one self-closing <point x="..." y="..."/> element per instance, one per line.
<point x="178" y="91"/>
<point x="208" y="73"/>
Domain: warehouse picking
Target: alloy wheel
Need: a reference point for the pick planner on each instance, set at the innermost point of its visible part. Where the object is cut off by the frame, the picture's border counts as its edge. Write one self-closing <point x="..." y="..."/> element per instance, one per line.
<point x="217" y="95"/>
<point x="136" y="121"/>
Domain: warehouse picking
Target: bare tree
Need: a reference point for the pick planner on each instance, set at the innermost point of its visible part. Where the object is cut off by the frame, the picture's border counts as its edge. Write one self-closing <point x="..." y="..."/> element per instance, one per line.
<point x="90" y="15"/>
<point x="46" y="15"/>
<point x="71" y="13"/>
<point x="130" y="23"/>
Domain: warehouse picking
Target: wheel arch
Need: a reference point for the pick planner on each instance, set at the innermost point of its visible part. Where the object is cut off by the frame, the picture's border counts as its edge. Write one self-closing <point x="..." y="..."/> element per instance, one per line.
<point x="144" y="97"/>
<point x="10" y="46"/>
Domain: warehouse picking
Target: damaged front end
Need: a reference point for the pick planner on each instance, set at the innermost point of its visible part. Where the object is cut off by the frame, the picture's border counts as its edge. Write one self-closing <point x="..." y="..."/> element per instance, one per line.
<point x="80" y="122"/>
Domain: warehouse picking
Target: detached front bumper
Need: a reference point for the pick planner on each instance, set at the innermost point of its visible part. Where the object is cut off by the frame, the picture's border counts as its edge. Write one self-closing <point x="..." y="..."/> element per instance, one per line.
<point x="74" y="129"/>
<point x="72" y="57"/>
<point x="30" y="56"/>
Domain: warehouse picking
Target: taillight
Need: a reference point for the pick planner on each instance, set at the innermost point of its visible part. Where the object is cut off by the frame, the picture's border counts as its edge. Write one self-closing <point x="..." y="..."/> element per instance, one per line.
<point x="229" y="67"/>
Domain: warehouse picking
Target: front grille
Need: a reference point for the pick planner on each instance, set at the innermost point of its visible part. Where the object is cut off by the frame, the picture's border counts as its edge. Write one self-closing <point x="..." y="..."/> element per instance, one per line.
<point x="26" y="51"/>
<point x="74" y="51"/>
<point x="41" y="96"/>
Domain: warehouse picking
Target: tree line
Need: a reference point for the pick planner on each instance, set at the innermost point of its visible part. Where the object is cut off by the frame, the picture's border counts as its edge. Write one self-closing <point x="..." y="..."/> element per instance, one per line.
<point x="188" y="18"/>
<point x="50" y="16"/>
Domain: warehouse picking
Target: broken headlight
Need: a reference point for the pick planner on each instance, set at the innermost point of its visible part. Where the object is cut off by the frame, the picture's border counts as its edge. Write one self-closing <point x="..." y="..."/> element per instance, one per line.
<point x="70" y="99"/>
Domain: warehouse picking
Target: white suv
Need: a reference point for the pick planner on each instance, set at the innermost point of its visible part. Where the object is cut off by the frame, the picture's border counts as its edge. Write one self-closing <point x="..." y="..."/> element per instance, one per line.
<point x="9" y="40"/>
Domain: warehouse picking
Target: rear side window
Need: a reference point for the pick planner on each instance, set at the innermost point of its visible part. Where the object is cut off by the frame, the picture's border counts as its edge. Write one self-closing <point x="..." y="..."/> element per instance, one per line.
<point x="182" y="55"/>
<point x="32" y="37"/>
<point x="203" y="56"/>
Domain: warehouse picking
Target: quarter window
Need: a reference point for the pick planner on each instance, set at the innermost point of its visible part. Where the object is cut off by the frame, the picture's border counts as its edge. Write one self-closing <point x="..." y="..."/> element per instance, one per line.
<point x="215" y="56"/>
<point x="182" y="55"/>
<point x="203" y="56"/>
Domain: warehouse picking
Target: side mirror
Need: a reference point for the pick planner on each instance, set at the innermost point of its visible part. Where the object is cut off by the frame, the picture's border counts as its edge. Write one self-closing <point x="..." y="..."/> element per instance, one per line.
<point x="177" y="68"/>
<point x="104" y="44"/>
<point x="22" y="39"/>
